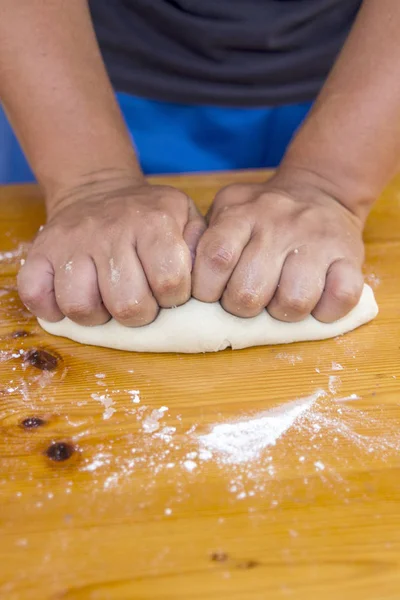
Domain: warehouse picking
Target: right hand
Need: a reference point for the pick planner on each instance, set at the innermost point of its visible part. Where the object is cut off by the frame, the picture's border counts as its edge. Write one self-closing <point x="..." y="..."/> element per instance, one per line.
<point x="113" y="248"/>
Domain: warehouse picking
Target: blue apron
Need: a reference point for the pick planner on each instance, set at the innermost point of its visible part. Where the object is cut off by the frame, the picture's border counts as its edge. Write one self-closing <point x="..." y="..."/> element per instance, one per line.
<point x="177" y="138"/>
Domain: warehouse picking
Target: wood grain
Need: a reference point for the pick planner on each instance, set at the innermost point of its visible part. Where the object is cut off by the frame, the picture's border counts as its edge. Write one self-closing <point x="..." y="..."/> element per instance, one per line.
<point x="94" y="507"/>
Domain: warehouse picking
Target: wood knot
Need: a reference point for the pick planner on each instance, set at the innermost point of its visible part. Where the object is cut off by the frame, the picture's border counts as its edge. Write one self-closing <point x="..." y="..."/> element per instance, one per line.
<point x="60" y="451"/>
<point x="32" y="423"/>
<point x="219" y="556"/>
<point x="41" y="359"/>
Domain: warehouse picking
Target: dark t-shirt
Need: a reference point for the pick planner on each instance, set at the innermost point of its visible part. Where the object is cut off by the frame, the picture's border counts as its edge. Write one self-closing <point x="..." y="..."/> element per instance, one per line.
<point x="222" y="52"/>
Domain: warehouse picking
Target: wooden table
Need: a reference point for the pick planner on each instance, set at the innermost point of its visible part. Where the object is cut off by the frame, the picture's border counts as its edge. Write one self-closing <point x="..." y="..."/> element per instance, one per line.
<point x="96" y="502"/>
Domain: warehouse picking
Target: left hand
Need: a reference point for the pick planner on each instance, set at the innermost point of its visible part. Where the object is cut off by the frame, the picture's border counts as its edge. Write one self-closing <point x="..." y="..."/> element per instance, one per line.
<point x="293" y="249"/>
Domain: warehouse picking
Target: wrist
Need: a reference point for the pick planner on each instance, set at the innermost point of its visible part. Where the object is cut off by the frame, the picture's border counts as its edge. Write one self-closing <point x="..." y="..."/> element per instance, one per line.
<point x="303" y="178"/>
<point x="94" y="185"/>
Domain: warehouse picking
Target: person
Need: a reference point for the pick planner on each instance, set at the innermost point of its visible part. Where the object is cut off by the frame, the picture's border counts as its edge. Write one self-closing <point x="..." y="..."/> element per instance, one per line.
<point x="202" y="86"/>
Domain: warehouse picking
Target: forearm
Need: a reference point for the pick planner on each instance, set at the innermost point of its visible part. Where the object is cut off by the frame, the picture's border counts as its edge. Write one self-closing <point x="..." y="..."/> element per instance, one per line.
<point x="351" y="140"/>
<point x="56" y="92"/>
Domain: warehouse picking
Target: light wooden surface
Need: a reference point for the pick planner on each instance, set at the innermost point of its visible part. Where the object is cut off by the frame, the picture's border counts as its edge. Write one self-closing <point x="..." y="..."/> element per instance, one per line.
<point x="123" y="516"/>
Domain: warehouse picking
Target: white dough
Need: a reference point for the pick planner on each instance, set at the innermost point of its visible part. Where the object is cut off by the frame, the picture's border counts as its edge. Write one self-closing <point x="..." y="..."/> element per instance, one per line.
<point x="200" y="327"/>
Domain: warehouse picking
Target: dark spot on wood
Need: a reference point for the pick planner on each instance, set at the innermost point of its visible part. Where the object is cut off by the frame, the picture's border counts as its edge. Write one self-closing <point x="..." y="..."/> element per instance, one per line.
<point x="60" y="451"/>
<point x="219" y="557"/>
<point x="41" y="359"/>
<point x="20" y="334"/>
<point x="248" y="564"/>
<point x="32" y="423"/>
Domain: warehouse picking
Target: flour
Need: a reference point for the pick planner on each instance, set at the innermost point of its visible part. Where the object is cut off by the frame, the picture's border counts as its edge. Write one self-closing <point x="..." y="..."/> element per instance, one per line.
<point x="16" y="253"/>
<point x="337" y="366"/>
<point x="349" y="398"/>
<point x="373" y="280"/>
<point x="319" y="465"/>
<point x="334" y="383"/>
<point x="151" y="422"/>
<point x="99" y="461"/>
<point x="243" y="441"/>
<point x="135" y="396"/>
<point x="189" y="465"/>
<point x="115" y="272"/>
<point x="107" y="402"/>
<point x="292" y="359"/>
<point x="166" y="434"/>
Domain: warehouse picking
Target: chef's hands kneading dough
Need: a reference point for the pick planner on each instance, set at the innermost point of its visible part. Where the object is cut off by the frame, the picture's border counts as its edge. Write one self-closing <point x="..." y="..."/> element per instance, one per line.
<point x="286" y="245"/>
<point x="124" y="249"/>
<point x="119" y="248"/>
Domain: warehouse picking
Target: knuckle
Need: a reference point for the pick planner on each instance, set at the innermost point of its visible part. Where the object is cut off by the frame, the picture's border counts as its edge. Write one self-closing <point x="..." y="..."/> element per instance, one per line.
<point x="295" y="304"/>
<point x="129" y="309"/>
<point x="233" y="190"/>
<point x="174" y="195"/>
<point x="158" y="219"/>
<point x="77" y="310"/>
<point x="168" y="283"/>
<point x="31" y="296"/>
<point x="234" y="211"/>
<point x="248" y="300"/>
<point x="219" y="257"/>
<point x="346" y="294"/>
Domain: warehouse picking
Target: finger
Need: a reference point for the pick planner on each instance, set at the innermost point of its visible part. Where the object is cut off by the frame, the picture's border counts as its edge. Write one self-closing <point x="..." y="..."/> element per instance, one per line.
<point x="77" y="292"/>
<point x="166" y="261"/>
<point x="343" y="288"/>
<point x="36" y="288"/>
<point x="300" y="286"/>
<point x="194" y="229"/>
<point x="124" y="287"/>
<point x="254" y="280"/>
<point x="218" y="253"/>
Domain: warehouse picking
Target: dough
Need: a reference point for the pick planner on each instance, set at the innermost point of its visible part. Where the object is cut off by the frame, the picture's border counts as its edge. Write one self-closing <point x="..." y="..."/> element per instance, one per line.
<point x="200" y="327"/>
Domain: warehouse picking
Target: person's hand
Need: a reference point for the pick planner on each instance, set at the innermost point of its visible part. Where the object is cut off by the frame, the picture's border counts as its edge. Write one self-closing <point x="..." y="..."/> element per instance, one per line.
<point x="284" y="245"/>
<point x="114" y="248"/>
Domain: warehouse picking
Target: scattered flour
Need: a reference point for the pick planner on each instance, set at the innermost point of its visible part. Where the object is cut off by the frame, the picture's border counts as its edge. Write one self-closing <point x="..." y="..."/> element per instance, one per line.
<point x="243" y="441"/>
<point x="107" y="402"/>
<point x="319" y="465"/>
<point x="99" y="461"/>
<point x="347" y="398"/>
<point x="334" y="383"/>
<point x="135" y="396"/>
<point x="190" y="465"/>
<point x="151" y="422"/>
<point x="16" y="253"/>
<point x="372" y="280"/>
<point x="336" y="367"/>
<point x="292" y="359"/>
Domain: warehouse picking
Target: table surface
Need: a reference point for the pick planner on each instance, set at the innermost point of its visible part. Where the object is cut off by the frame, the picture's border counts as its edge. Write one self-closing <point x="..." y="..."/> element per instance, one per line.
<point x="111" y="488"/>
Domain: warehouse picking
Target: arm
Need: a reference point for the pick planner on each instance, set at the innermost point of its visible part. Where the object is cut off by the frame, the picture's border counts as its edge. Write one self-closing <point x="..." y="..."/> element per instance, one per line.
<point x="113" y="244"/>
<point x="57" y="94"/>
<point x="351" y="139"/>
<point x="294" y="244"/>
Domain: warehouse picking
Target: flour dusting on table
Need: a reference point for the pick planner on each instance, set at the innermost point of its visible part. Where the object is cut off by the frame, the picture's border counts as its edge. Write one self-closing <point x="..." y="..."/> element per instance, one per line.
<point x="244" y="440"/>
